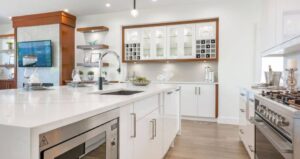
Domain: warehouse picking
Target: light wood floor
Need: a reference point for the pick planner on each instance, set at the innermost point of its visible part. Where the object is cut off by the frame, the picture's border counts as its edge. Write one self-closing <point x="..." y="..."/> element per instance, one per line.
<point x="205" y="140"/>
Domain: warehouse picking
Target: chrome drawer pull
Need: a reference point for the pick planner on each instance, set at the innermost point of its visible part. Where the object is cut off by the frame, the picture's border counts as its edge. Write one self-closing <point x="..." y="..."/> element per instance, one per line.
<point x="134" y="125"/>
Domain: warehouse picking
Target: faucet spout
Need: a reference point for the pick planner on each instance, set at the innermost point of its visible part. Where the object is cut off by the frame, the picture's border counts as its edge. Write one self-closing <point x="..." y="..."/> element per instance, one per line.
<point x="101" y="78"/>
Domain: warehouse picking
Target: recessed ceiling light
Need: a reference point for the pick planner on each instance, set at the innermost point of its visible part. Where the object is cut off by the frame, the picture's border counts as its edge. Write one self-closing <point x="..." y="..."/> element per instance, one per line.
<point x="107" y="5"/>
<point x="66" y="10"/>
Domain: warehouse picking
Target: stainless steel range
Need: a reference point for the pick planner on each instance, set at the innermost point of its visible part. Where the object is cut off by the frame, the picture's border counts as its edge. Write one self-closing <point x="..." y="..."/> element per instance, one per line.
<point x="277" y="125"/>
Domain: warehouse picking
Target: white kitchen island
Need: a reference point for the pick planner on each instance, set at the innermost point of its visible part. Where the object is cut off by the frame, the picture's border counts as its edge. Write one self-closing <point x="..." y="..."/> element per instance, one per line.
<point x="24" y="115"/>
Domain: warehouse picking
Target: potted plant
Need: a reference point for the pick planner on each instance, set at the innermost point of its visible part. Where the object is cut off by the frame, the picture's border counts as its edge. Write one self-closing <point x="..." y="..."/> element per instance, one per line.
<point x="10" y="45"/>
<point x="90" y="75"/>
<point x="81" y="75"/>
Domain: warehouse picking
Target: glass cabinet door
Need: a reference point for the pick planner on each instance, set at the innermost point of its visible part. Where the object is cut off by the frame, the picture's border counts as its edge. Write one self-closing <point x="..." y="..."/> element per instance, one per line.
<point x="159" y="43"/>
<point x="181" y="41"/>
<point x="146" y="44"/>
<point x="189" y="41"/>
<point x="173" y="42"/>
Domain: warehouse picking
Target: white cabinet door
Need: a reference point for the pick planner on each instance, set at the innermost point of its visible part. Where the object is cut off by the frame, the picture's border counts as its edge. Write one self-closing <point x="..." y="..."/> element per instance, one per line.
<point x="148" y="140"/>
<point x="189" y="105"/>
<point x="126" y="132"/>
<point x="159" y="43"/>
<point x="181" y="42"/>
<point x="142" y="147"/>
<point x="153" y="43"/>
<point x="189" y="42"/>
<point x="206" y="101"/>
<point x="268" y="24"/>
<point x="147" y="44"/>
<point x="156" y="142"/>
<point x="288" y="15"/>
<point x="171" y="118"/>
<point x="132" y="36"/>
<point x="174" y="42"/>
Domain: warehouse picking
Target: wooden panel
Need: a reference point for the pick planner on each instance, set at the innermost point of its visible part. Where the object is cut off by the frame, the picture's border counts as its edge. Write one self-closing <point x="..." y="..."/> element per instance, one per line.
<point x="44" y="19"/>
<point x="7" y="35"/>
<point x="93" y="29"/>
<point x="67" y="38"/>
<point x="168" y="24"/>
<point x="217" y="100"/>
<point x="7" y="84"/>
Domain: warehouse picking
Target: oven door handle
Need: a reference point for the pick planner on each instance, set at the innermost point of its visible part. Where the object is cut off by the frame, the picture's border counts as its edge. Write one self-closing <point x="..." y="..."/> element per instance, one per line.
<point x="279" y="142"/>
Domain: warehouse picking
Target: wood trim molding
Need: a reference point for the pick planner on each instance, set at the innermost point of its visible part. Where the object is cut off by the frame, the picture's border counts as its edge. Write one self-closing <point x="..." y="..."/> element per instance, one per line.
<point x="59" y="17"/>
<point x="168" y="24"/>
<point x="93" y="29"/>
<point x="7" y="35"/>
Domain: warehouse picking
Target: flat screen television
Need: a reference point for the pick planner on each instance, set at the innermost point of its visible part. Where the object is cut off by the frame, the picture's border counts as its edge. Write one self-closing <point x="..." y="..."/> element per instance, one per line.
<point x="35" y="54"/>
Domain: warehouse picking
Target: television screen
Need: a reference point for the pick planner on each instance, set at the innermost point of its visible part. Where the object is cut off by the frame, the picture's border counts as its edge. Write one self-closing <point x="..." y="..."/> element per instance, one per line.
<point x="35" y="54"/>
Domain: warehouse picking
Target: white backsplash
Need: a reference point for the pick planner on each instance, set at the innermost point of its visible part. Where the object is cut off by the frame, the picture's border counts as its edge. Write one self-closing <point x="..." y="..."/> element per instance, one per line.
<point x="186" y="72"/>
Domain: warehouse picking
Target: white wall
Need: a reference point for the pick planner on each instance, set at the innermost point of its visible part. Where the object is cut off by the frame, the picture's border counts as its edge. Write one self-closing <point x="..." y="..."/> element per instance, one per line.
<point x="44" y="32"/>
<point x="237" y="40"/>
<point x="6" y="29"/>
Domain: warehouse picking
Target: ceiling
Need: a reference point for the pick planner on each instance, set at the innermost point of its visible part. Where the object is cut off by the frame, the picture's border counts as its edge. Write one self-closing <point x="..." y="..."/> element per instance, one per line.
<point x="10" y="8"/>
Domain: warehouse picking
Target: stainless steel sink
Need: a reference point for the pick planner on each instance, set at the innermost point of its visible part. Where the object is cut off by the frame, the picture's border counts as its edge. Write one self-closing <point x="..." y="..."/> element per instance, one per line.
<point x="121" y="92"/>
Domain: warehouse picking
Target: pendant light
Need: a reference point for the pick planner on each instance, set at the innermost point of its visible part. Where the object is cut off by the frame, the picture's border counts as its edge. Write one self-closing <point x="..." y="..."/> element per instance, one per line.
<point x="134" y="12"/>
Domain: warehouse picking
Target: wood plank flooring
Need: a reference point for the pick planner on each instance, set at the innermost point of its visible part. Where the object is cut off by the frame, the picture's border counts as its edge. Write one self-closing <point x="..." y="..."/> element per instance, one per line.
<point x="206" y="140"/>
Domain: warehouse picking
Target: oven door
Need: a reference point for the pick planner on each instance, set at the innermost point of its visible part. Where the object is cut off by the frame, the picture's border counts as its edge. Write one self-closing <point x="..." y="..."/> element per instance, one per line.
<point x="270" y="144"/>
<point x="98" y="143"/>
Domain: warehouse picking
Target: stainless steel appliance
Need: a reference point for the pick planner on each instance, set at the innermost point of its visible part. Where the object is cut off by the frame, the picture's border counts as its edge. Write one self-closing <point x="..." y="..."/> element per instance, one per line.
<point x="277" y="125"/>
<point x="92" y="138"/>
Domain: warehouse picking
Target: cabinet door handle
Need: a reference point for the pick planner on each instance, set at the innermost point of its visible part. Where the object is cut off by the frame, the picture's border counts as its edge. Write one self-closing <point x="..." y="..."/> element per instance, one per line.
<point x="199" y="88"/>
<point x="169" y="92"/>
<point x="134" y="125"/>
<point x="178" y="89"/>
<point x="153" y="129"/>
<point x="242" y="110"/>
<point x="195" y="90"/>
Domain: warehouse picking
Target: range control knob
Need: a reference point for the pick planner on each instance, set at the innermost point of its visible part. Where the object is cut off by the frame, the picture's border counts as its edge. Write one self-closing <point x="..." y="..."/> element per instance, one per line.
<point x="283" y="122"/>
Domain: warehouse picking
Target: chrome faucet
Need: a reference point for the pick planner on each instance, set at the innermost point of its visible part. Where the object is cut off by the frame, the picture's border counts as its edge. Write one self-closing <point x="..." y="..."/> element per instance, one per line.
<point x="101" y="79"/>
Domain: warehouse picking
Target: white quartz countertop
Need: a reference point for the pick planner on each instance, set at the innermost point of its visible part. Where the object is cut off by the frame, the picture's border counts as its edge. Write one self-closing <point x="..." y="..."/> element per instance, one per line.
<point x="186" y="82"/>
<point x="64" y="105"/>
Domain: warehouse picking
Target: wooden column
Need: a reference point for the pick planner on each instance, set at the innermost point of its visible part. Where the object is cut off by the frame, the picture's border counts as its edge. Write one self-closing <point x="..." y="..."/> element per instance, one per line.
<point x="67" y="24"/>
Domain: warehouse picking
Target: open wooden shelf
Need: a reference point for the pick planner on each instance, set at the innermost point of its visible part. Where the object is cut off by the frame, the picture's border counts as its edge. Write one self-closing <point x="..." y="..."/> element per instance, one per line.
<point x="93" y="29"/>
<point x="92" y="64"/>
<point x="8" y="65"/>
<point x="93" y="47"/>
<point x="7" y="36"/>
